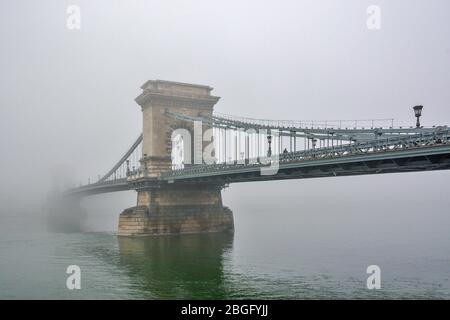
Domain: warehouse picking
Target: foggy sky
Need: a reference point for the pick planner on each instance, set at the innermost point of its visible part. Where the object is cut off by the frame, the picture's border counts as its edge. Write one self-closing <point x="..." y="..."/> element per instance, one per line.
<point x="67" y="97"/>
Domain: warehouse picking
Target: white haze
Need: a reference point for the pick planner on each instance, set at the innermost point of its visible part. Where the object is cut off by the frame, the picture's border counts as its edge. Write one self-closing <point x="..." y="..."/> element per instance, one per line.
<point x="67" y="107"/>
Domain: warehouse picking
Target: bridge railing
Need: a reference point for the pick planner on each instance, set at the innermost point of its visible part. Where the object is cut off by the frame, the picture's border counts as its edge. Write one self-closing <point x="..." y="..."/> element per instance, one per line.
<point x="395" y="143"/>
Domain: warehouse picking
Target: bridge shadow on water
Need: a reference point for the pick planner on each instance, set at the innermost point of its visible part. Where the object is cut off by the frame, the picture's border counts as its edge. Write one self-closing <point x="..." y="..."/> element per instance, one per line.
<point x="177" y="267"/>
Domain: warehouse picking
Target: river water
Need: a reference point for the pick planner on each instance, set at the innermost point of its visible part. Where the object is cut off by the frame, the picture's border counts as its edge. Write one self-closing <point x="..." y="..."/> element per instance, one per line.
<point x="258" y="261"/>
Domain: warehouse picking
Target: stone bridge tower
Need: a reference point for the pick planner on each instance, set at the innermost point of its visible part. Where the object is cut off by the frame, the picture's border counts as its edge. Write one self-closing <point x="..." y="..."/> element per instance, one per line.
<point x="164" y="208"/>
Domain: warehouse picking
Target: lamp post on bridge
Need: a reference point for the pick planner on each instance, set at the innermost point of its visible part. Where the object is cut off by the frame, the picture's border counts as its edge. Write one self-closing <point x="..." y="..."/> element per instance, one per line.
<point x="269" y="140"/>
<point x="314" y="142"/>
<point x="128" y="168"/>
<point x="418" y="114"/>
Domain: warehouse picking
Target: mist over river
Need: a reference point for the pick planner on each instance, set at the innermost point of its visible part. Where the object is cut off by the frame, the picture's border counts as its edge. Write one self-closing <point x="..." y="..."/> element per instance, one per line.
<point x="284" y="254"/>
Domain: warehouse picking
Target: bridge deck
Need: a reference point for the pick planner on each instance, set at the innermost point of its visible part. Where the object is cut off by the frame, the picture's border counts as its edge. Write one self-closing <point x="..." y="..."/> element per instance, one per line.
<point x="424" y="158"/>
<point x="421" y="158"/>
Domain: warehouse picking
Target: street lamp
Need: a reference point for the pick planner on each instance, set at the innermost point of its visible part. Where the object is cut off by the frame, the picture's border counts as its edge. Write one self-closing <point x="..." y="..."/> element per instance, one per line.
<point x="128" y="167"/>
<point x="269" y="140"/>
<point x="418" y="113"/>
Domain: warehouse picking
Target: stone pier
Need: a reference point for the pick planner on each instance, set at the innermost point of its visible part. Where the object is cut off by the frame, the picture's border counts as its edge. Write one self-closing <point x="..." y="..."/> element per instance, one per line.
<point x="175" y="208"/>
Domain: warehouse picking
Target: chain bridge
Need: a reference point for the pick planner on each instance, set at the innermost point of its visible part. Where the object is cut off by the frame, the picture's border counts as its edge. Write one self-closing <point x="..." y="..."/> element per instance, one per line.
<point x="187" y="153"/>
